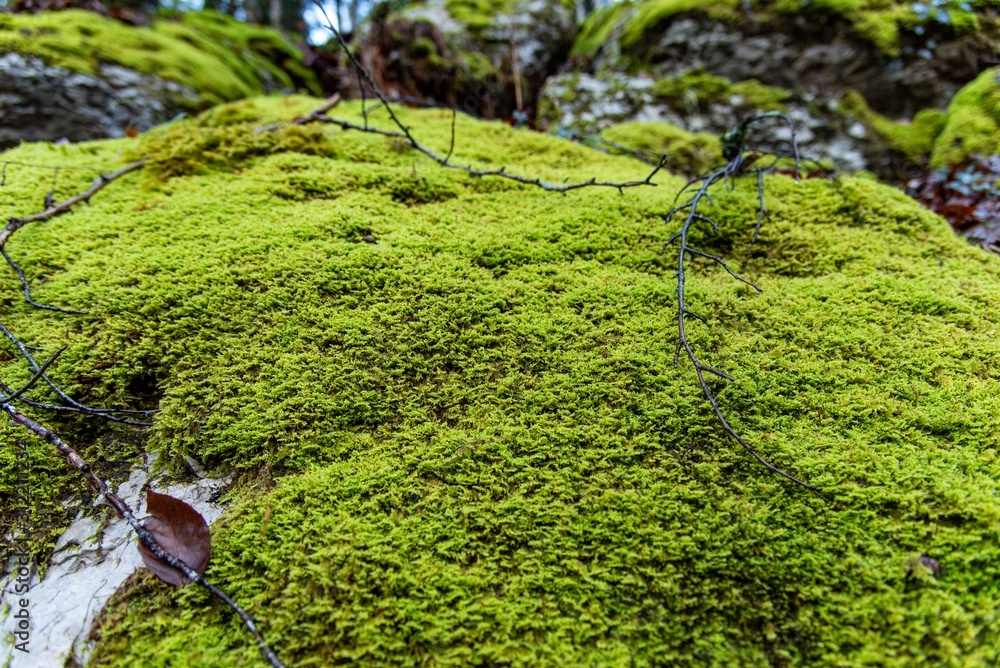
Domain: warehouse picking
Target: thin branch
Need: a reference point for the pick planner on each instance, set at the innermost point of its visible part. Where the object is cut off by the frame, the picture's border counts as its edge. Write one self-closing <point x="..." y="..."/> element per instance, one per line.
<point x="13" y="396"/>
<point x="54" y="210"/>
<point x="51" y="210"/>
<point x="146" y="538"/>
<point x="27" y="288"/>
<point x="313" y="116"/>
<point x="514" y="66"/>
<point x="106" y="413"/>
<point x="734" y="145"/>
<point x="719" y="260"/>
<point x="404" y="133"/>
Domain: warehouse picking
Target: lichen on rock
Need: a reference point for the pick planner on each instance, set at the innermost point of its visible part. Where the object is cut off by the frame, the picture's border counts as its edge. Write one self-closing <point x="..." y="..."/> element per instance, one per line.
<point x="467" y="443"/>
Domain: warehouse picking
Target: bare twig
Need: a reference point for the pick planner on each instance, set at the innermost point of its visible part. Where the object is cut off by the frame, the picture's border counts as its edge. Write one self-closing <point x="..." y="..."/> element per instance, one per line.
<point x="146" y="538"/>
<point x="51" y="210"/>
<point x="14" y="224"/>
<point x="9" y="396"/>
<point x="314" y="115"/>
<point x="27" y="288"/>
<point x="403" y="132"/>
<point x="72" y="404"/>
<point x="13" y="396"/>
<point x="734" y="143"/>
<point x="515" y="68"/>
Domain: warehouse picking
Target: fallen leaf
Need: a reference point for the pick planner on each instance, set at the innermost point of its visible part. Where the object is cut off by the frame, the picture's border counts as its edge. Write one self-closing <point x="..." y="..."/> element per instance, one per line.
<point x="181" y="531"/>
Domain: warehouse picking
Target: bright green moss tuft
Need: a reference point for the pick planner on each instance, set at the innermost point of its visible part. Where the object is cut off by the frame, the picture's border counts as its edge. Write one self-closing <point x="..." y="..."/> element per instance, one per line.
<point x="221" y="58"/>
<point x="700" y="89"/>
<point x="650" y="12"/>
<point x="691" y="153"/>
<point x="972" y="123"/>
<point x="480" y="448"/>
<point x="477" y="14"/>
<point x="598" y="28"/>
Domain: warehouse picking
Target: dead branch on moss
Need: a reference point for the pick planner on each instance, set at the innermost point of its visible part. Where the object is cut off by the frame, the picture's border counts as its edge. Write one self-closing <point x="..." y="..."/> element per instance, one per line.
<point x="739" y="161"/>
<point x="10" y="396"/>
<point x="403" y="133"/>
<point x="69" y="404"/>
<point x="52" y="209"/>
<point x="122" y="509"/>
<point x="314" y="115"/>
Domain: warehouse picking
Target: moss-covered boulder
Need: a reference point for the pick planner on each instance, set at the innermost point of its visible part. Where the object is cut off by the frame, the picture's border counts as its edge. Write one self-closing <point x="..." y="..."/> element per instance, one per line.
<point x="699" y="102"/>
<point x="972" y="122"/>
<point x="79" y="75"/>
<point x="467" y="442"/>
<point x="461" y="52"/>
<point x="867" y="82"/>
<point x="902" y="59"/>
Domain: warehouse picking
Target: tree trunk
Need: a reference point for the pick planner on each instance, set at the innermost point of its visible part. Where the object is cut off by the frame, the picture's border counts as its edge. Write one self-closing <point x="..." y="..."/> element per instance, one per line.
<point x="275" y="14"/>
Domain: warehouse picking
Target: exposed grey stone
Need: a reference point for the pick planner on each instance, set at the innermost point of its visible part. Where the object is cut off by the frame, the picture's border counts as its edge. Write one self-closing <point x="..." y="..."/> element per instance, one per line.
<point x="588" y="104"/>
<point x="39" y="102"/>
<point x="819" y="54"/>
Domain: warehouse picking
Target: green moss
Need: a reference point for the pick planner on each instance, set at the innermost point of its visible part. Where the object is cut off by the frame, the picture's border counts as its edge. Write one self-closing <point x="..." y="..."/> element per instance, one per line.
<point x="700" y="89"/>
<point x="423" y="47"/>
<point x="482" y="450"/>
<point x="476" y="66"/>
<point x="477" y="14"/>
<point x="222" y="59"/>
<point x="914" y="139"/>
<point x="650" y="12"/>
<point x="597" y="29"/>
<point x="972" y="123"/>
<point x="690" y="153"/>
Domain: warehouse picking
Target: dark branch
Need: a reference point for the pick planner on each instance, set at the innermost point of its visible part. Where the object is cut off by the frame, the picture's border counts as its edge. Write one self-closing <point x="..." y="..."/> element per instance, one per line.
<point x="146" y="538"/>
<point x="27" y="288"/>
<point x="404" y="133"/>
<point x="734" y="150"/>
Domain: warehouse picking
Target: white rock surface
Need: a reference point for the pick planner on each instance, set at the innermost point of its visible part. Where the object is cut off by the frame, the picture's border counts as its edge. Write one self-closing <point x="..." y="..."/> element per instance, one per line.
<point x="87" y="567"/>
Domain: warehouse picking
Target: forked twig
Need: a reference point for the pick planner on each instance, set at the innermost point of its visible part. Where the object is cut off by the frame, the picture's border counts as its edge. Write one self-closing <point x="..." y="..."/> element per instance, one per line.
<point x="9" y="396"/>
<point x="403" y="132"/>
<point x="734" y="151"/>
<point x="146" y="538"/>
<point x="51" y="210"/>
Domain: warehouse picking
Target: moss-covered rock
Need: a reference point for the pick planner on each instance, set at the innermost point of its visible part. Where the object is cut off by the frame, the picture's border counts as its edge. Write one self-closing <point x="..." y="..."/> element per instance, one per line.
<point x="913" y="140"/>
<point x="699" y="102"/>
<point x="467" y="443"/>
<point x="900" y="59"/>
<point x="220" y="58"/>
<point x="972" y="123"/>
<point x="113" y="76"/>
<point x="691" y="153"/>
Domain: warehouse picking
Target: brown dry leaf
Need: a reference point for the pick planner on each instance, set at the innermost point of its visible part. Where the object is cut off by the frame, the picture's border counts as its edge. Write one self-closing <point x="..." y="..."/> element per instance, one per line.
<point x="181" y="531"/>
